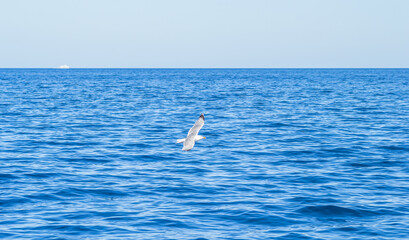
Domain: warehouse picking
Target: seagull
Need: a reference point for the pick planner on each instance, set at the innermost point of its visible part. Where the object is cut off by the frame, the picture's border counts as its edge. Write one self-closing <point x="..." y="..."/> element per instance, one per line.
<point x="192" y="136"/>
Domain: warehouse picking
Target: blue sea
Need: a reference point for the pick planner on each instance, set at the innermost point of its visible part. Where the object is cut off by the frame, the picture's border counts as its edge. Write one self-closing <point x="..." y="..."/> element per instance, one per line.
<point x="288" y="154"/>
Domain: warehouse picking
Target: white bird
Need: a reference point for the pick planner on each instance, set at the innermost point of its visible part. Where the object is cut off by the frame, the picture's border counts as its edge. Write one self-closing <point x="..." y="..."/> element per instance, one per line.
<point x="192" y="136"/>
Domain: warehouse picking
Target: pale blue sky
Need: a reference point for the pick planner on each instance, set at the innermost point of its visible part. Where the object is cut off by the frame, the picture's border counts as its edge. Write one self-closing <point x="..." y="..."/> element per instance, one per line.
<point x="199" y="33"/>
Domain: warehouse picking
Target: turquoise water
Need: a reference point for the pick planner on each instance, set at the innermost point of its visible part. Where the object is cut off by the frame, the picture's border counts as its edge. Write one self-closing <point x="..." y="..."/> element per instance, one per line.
<point x="288" y="154"/>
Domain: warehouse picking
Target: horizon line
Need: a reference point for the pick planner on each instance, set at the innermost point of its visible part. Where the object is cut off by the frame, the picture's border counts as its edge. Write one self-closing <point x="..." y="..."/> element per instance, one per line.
<point x="204" y="68"/>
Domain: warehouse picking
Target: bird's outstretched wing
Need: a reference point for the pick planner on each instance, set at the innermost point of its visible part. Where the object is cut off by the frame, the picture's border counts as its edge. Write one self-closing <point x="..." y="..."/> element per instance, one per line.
<point x="198" y="125"/>
<point x="190" y="139"/>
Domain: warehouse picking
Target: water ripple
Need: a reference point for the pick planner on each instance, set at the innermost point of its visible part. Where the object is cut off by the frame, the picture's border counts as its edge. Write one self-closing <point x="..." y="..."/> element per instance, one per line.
<point x="288" y="154"/>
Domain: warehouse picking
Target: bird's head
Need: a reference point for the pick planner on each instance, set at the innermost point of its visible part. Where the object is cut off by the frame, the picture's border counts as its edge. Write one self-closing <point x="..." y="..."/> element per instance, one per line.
<point x="199" y="137"/>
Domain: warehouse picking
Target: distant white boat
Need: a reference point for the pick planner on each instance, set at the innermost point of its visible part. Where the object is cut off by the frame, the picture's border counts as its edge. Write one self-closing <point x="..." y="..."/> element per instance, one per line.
<point x="64" y="66"/>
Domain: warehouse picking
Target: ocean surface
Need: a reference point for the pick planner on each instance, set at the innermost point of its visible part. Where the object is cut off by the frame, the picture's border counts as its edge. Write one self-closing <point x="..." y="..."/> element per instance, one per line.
<point x="288" y="154"/>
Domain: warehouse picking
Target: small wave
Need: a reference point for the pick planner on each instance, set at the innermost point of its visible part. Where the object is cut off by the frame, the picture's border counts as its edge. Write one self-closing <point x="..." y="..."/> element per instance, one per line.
<point x="335" y="211"/>
<point x="251" y="217"/>
<point x="7" y="176"/>
<point x="77" y="192"/>
<point x="312" y="179"/>
<point x="298" y="153"/>
<point x="104" y="192"/>
<point x="307" y="200"/>
<point x="166" y="222"/>
<point x="41" y="175"/>
<point x="261" y="219"/>
<point x="292" y="236"/>
<point x="47" y="197"/>
<point x="14" y="201"/>
<point x="76" y="229"/>
<point x="85" y="159"/>
<point x="338" y="150"/>
<point x="6" y="235"/>
<point x="396" y="148"/>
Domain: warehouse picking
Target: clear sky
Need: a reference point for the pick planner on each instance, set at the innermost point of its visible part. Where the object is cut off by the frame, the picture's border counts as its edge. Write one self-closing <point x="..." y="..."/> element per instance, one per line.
<point x="204" y="33"/>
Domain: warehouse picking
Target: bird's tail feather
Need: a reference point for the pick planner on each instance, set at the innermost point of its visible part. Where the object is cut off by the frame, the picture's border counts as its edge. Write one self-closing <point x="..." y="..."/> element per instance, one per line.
<point x="180" y="140"/>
